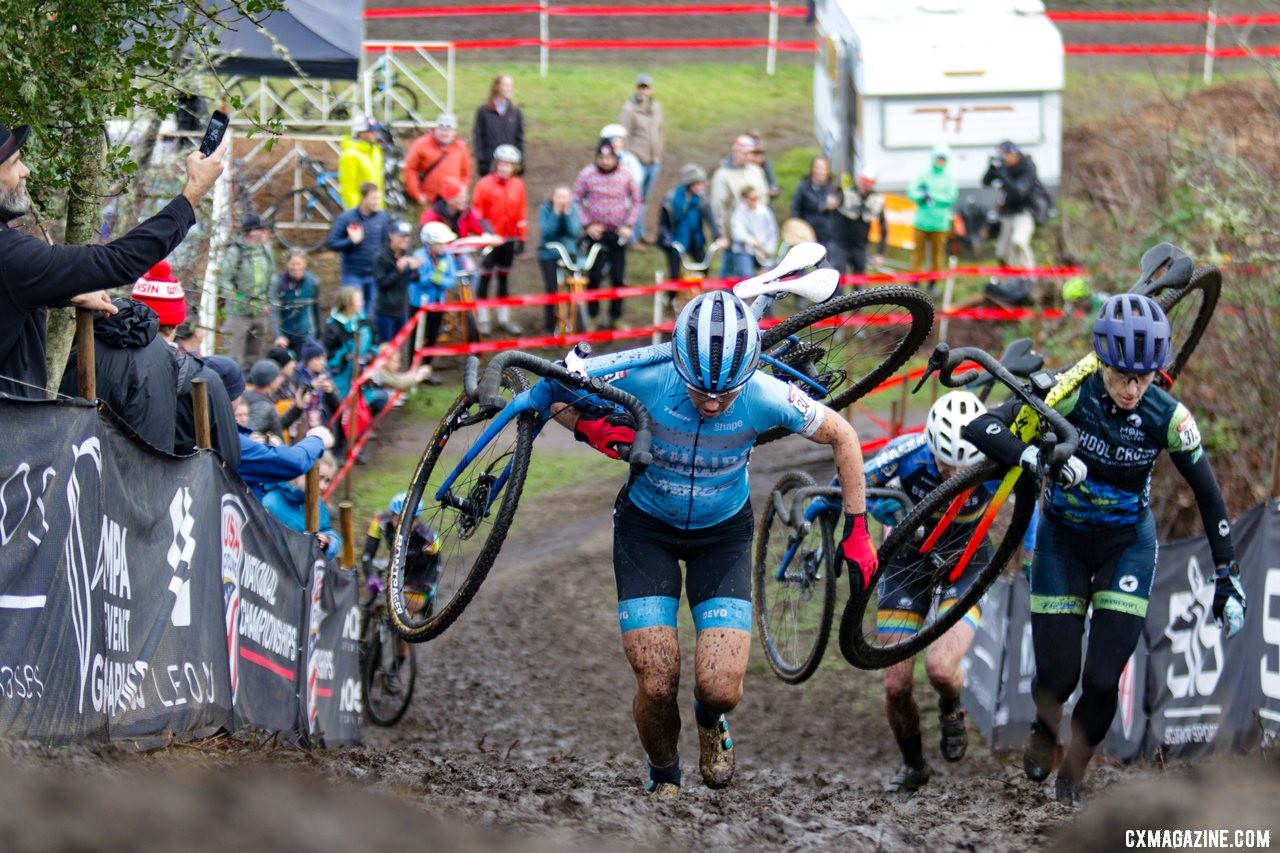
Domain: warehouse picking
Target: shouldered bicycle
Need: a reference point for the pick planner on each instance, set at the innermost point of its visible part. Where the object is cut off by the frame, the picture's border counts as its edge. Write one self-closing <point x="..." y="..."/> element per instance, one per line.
<point x="467" y="484"/>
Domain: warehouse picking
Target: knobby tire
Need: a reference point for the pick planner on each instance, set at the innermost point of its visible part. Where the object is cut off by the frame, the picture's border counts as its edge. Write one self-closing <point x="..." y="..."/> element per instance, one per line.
<point x="860" y="611"/>
<point x="793" y="656"/>
<point x="372" y="673"/>
<point x="1189" y="310"/>
<point x="456" y="527"/>
<point x="853" y="353"/>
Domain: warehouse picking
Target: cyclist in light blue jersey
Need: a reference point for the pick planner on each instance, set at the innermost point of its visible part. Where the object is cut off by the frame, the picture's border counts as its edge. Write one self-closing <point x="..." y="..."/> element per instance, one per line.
<point x="691" y="504"/>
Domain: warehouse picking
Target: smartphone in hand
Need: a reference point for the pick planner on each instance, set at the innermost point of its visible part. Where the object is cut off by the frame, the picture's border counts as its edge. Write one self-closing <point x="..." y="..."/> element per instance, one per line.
<point x="214" y="132"/>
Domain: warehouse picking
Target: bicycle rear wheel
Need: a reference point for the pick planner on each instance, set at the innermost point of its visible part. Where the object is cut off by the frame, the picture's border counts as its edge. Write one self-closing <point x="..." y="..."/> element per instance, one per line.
<point x="794" y="583"/>
<point x="839" y="350"/>
<point x="903" y="566"/>
<point x="387" y="677"/>
<point x="1190" y="309"/>
<point x="471" y="518"/>
<point x="302" y="218"/>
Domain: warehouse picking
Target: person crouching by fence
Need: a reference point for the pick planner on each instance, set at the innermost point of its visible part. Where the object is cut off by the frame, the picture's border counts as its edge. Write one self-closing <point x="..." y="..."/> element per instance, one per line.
<point x="35" y="275"/>
<point x="288" y="503"/>
<point x="557" y="223"/>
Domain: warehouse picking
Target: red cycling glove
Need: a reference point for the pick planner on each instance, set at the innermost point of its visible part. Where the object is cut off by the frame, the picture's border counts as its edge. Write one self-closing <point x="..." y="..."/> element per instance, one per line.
<point x="856" y="549"/>
<point x="604" y="436"/>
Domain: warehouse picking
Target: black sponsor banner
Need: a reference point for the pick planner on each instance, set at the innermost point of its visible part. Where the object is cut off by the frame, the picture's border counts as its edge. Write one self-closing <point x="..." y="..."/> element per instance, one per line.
<point x="333" y="674"/>
<point x="1204" y="689"/>
<point x="143" y="595"/>
<point x="1186" y="690"/>
<point x="266" y="605"/>
<point x="50" y="617"/>
<point x="163" y="664"/>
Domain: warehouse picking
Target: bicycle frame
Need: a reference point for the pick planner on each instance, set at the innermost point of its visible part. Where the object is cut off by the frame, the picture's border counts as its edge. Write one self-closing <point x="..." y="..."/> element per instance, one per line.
<point x="818" y="501"/>
<point x="1026" y="426"/>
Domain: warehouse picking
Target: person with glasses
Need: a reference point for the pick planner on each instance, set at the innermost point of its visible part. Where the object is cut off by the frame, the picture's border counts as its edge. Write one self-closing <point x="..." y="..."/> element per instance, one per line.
<point x="708" y="404"/>
<point x="1095" y="545"/>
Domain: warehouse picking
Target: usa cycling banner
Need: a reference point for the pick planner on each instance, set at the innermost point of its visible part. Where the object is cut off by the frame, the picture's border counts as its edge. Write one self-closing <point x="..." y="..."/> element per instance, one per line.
<point x="265" y="579"/>
<point x="1186" y="690"/>
<point x="143" y="595"/>
<point x="333" y="673"/>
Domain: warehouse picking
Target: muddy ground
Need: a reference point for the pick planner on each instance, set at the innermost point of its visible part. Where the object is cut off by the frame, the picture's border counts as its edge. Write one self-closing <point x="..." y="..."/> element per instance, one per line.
<point x="520" y="737"/>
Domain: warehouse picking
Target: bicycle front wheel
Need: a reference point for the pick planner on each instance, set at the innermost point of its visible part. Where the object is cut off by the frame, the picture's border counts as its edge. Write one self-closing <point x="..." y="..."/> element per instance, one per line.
<point x="470" y="518"/>
<point x="839" y="350"/>
<point x="794" y="583"/>
<point x="915" y="566"/>
<point x="387" y="676"/>
<point x="1189" y="310"/>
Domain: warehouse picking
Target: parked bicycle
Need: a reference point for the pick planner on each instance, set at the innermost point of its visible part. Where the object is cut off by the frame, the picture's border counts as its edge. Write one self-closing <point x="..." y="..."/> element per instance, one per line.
<point x="467" y="485"/>
<point x="571" y="279"/>
<point x="921" y="544"/>
<point x="388" y="665"/>
<point x="304" y="216"/>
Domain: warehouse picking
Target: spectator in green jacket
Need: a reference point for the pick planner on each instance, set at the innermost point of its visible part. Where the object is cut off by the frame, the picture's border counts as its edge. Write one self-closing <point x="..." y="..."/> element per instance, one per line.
<point x="934" y="192"/>
<point x="248" y="275"/>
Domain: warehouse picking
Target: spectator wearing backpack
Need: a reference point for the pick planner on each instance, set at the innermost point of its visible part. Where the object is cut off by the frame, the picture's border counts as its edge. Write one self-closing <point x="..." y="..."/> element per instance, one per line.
<point x="1013" y="173"/>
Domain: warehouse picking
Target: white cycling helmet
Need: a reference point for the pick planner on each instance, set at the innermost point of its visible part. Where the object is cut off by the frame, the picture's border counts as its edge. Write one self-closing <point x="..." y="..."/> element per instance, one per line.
<point x="506" y="154"/>
<point x="613" y="131"/>
<point x="868" y="173"/>
<point x="437" y="233"/>
<point x="943" y="424"/>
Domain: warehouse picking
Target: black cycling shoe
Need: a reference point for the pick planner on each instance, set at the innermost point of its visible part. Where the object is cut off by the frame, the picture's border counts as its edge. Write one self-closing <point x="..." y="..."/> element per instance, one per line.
<point x="1037" y="755"/>
<point x="954" y="741"/>
<point x="908" y="779"/>
<point x="1068" y="794"/>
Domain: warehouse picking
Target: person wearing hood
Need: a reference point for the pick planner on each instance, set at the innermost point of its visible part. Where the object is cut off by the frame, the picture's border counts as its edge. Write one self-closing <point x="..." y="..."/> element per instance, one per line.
<point x="137" y="375"/>
<point x="297" y="302"/>
<point x="288" y="503"/>
<point x="608" y="203"/>
<point x="934" y="191"/>
<point x="360" y="161"/>
<point x="1013" y="173"/>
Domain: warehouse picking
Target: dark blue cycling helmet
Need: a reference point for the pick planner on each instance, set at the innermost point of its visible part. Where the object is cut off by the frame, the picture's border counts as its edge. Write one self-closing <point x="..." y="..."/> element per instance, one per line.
<point x="1132" y="334"/>
<point x="717" y="343"/>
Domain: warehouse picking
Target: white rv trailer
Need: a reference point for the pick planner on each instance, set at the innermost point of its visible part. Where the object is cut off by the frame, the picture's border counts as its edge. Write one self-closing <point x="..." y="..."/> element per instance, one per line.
<point x="892" y="79"/>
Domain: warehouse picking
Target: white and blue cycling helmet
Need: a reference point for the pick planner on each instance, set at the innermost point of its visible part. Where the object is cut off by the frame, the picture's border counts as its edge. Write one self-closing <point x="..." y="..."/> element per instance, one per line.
<point x="1132" y="334"/>
<point x="396" y="505"/>
<point x="716" y="344"/>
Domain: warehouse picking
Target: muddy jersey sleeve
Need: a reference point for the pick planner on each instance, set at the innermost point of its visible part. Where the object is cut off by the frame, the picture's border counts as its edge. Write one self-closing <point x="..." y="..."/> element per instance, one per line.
<point x="774" y="403"/>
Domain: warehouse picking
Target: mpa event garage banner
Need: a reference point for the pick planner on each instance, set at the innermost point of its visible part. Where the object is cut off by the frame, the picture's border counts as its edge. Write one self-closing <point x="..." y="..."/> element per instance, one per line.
<point x="143" y="595"/>
<point x="1186" y="691"/>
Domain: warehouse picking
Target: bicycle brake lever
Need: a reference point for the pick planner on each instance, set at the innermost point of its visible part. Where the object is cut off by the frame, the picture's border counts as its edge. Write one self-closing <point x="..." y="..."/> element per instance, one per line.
<point x="937" y="359"/>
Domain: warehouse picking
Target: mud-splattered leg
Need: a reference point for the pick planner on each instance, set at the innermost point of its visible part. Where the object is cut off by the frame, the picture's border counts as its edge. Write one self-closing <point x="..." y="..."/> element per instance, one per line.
<point x="654" y="655"/>
<point x="719" y="665"/>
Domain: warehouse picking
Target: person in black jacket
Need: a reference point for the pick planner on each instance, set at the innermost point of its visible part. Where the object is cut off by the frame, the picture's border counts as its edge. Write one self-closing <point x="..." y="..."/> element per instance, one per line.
<point x="136" y="372"/>
<point x="1013" y="173"/>
<point x="394" y="270"/>
<point x="163" y="294"/>
<point x="35" y="276"/>
<point x="498" y="122"/>
<point x="859" y="208"/>
<point x="815" y="201"/>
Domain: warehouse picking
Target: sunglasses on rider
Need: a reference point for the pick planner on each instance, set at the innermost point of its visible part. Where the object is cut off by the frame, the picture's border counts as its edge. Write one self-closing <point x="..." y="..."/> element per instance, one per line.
<point x="702" y="397"/>
<point x="1126" y="378"/>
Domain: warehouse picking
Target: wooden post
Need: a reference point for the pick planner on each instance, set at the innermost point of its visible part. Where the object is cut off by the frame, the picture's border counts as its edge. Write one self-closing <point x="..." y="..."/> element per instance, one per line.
<point x="313" y="499"/>
<point x="894" y="415"/>
<point x="346" y="518"/>
<point x="86" y="366"/>
<point x="200" y="405"/>
<point x="904" y="396"/>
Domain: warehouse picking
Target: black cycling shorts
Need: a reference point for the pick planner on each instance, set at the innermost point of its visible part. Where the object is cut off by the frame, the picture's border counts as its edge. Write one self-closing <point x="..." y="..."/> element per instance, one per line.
<point x="647" y="554"/>
<point x="906" y="596"/>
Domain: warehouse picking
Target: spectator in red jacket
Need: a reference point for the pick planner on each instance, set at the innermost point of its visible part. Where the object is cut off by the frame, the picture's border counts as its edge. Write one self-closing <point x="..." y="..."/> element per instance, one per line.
<point x="499" y="199"/>
<point x="435" y="157"/>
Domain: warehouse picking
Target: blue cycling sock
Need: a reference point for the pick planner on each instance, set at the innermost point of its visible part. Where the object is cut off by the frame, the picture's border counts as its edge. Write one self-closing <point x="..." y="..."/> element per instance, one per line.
<point x="705" y="718"/>
<point x="670" y="773"/>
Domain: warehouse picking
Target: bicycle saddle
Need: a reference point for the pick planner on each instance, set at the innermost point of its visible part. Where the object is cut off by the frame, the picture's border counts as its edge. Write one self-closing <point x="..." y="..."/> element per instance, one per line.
<point x="1163" y="266"/>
